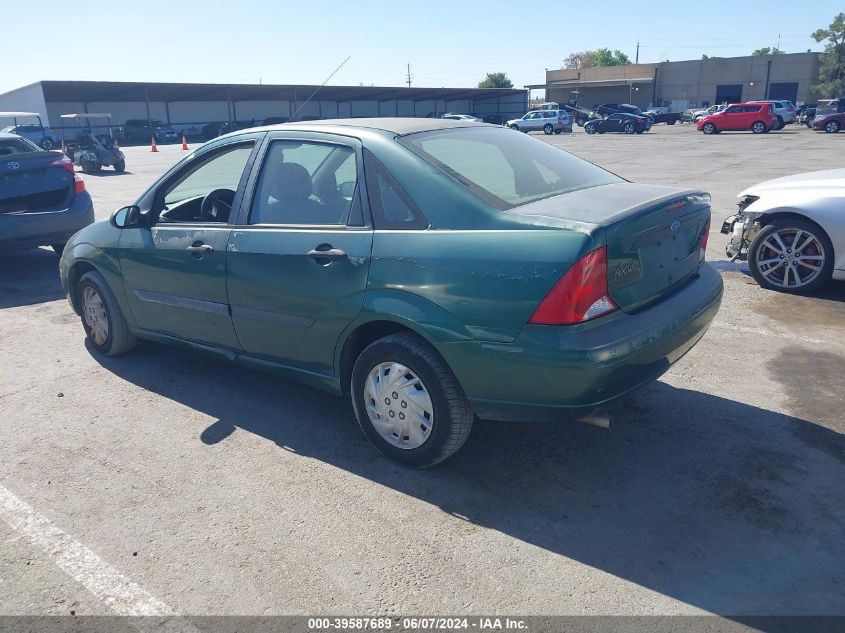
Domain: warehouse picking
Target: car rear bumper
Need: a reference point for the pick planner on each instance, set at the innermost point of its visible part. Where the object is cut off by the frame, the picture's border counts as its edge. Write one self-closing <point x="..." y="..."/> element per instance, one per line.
<point x="551" y="373"/>
<point x="25" y="230"/>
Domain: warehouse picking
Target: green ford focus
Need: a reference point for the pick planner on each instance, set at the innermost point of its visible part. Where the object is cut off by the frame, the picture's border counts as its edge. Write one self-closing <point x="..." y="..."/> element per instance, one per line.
<point x="435" y="271"/>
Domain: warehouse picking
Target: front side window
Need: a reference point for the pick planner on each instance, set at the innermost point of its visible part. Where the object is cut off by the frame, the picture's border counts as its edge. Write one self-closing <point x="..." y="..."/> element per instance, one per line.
<point x="206" y="190"/>
<point x="504" y="169"/>
<point x="305" y="183"/>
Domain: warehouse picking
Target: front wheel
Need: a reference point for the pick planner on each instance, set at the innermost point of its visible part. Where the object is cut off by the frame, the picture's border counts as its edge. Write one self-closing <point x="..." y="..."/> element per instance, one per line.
<point x="831" y="127"/>
<point x="408" y="402"/>
<point x="102" y="319"/>
<point x="590" y="128"/>
<point x="708" y="128"/>
<point x="46" y="143"/>
<point x="120" y="166"/>
<point x="90" y="166"/>
<point x="791" y="255"/>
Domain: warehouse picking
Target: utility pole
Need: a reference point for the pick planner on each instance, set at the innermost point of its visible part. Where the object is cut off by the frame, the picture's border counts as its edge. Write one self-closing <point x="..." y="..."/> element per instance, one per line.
<point x="637" y="60"/>
<point x="408" y="79"/>
<point x="777" y="48"/>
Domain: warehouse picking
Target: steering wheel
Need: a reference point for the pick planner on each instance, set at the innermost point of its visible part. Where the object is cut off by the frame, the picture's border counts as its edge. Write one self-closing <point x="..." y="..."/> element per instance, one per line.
<point x="217" y="205"/>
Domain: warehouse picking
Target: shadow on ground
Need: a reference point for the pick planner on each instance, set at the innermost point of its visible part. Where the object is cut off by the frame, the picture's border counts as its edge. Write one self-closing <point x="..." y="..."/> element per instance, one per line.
<point x="724" y="506"/>
<point x="29" y="277"/>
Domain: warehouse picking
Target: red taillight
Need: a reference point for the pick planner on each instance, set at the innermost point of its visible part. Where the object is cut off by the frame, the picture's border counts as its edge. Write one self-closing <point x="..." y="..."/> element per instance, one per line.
<point x="580" y="295"/>
<point x="80" y="184"/>
<point x="63" y="162"/>
<point x="702" y="245"/>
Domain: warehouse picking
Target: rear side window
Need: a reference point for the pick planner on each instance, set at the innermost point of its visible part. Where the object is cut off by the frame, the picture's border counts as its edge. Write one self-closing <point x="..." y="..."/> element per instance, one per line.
<point x="390" y="205"/>
<point x="506" y="169"/>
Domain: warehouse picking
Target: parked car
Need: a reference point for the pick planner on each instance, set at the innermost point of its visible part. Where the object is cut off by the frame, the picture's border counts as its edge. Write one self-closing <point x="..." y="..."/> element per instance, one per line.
<point x="423" y="313"/>
<point x="547" y="121"/>
<point x="784" y="110"/>
<point x="139" y="130"/>
<point x="461" y="117"/>
<point x="275" y="120"/>
<point x="215" y="129"/>
<point x="831" y="123"/>
<point x="669" y="118"/>
<point x="757" y="117"/>
<point x="42" y="201"/>
<point x="829" y="115"/>
<point x="791" y="230"/>
<point x="696" y="115"/>
<point x="618" y="122"/>
<point x="550" y="105"/>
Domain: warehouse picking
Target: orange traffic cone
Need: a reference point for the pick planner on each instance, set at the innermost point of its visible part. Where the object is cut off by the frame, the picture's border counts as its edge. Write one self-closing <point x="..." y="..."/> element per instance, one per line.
<point x="184" y="143"/>
<point x="154" y="148"/>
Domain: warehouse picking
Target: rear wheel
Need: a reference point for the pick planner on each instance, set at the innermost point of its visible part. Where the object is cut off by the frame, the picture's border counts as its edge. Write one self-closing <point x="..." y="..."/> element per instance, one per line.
<point x="408" y="402"/>
<point x="832" y="127"/>
<point x="102" y="319"/>
<point x="629" y="128"/>
<point x="791" y="255"/>
<point x="580" y="122"/>
<point x="90" y="166"/>
<point x="548" y="128"/>
<point x="758" y="127"/>
<point x="708" y="128"/>
<point x="46" y="143"/>
<point x="780" y="124"/>
<point x="672" y="122"/>
<point x="120" y="165"/>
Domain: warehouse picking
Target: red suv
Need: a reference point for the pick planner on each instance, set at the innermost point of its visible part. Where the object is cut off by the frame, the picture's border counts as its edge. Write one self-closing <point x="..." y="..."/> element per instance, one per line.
<point x="757" y="117"/>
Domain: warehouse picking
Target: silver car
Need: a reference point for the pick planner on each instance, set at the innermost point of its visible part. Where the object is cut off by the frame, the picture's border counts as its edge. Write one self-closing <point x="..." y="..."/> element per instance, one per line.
<point x="785" y="111"/>
<point x="547" y="121"/>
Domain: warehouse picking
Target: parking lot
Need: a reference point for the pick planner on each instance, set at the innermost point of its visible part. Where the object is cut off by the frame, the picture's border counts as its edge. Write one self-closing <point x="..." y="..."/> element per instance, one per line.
<point x="209" y="488"/>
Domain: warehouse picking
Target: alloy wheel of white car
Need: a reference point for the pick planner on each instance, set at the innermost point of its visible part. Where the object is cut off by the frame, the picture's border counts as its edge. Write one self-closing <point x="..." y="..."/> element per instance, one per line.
<point x="791" y="255"/>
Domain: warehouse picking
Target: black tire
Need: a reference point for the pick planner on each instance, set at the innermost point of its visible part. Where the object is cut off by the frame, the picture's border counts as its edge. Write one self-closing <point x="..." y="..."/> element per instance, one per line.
<point x="671" y="122"/>
<point x="514" y="127"/>
<point x="120" y="166"/>
<point x="580" y="122"/>
<point x="709" y="128"/>
<point x="780" y="124"/>
<point x="559" y="131"/>
<point x="758" y="127"/>
<point x="119" y="339"/>
<point x="58" y="248"/>
<point x="452" y="414"/>
<point x="46" y="143"/>
<point x="548" y="128"/>
<point x="90" y="166"/>
<point x="629" y="128"/>
<point x="832" y="127"/>
<point x="590" y="128"/>
<point x="759" y="249"/>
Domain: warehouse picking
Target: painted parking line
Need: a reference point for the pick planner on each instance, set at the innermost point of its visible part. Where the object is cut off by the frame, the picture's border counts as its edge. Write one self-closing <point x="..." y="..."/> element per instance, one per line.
<point x="122" y="596"/>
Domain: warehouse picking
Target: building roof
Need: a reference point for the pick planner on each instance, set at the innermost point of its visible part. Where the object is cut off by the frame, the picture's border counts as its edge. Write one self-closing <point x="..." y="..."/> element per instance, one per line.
<point x="91" y="91"/>
<point x="597" y="83"/>
<point x="395" y="125"/>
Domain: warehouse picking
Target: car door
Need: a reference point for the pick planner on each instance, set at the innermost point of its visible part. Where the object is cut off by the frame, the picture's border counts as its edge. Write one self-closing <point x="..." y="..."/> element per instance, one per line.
<point x="534" y="122"/>
<point x="732" y="118"/>
<point x="174" y="268"/>
<point x="299" y="258"/>
<point x="613" y="123"/>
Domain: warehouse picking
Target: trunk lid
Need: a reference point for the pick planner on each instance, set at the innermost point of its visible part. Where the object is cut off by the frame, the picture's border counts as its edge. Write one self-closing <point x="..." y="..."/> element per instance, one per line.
<point x="30" y="183"/>
<point x="652" y="234"/>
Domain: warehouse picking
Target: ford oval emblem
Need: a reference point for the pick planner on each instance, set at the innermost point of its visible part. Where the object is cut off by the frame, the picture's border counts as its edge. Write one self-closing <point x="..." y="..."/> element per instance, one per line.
<point x="675" y="226"/>
<point x="13" y="164"/>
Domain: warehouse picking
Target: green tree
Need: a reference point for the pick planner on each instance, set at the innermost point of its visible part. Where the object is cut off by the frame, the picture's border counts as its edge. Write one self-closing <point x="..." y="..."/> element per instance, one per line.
<point x="604" y="57"/>
<point x="832" y="66"/>
<point x="496" y="80"/>
<point x="767" y="50"/>
<point x="705" y="56"/>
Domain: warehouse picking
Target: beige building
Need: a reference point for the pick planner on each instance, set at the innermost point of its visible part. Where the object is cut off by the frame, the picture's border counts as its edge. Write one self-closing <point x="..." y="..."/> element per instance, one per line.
<point x="679" y="85"/>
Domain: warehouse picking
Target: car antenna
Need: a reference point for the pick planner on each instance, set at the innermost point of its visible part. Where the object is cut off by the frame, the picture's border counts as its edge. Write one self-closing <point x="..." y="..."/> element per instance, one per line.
<point x="293" y="116"/>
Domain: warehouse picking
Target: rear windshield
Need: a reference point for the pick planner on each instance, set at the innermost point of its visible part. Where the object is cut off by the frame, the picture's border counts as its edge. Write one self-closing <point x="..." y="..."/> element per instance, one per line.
<point x="504" y="167"/>
<point x="10" y="146"/>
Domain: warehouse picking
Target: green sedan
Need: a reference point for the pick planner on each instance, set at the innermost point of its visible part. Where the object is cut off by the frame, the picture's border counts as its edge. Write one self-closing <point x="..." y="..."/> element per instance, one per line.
<point x="435" y="271"/>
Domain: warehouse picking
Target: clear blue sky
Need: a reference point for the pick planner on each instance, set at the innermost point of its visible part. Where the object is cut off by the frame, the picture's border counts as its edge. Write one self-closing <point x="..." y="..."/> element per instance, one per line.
<point x="451" y="44"/>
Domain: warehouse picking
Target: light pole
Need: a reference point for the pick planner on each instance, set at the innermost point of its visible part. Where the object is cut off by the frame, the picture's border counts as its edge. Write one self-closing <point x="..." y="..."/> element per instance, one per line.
<point x="631" y="90"/>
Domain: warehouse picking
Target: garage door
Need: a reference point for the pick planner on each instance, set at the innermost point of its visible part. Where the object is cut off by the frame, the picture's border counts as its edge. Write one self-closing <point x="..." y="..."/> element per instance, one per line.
<point x="787" y="91"/>
<point x="728" y="93"/>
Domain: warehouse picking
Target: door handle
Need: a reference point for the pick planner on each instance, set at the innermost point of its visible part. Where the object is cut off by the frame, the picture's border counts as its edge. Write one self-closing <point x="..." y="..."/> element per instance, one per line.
<point x="331" y="254"/>
<point x="200" y="248"/>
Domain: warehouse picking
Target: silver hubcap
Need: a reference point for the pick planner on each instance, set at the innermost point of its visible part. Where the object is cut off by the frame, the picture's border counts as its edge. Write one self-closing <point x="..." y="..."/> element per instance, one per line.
<point x="791" y="258"/>
<point x="95" y="315"/>
<point x="398" y="405"/>
<point x="831" y="127"/>
<point x="758" y="127"/>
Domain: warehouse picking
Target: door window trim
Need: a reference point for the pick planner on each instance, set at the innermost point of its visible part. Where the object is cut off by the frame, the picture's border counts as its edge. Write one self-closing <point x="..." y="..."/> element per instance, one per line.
<point x="360" y="197"/>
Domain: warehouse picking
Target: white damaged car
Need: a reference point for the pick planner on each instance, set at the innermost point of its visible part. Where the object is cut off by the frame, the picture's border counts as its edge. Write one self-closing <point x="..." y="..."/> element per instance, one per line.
<point x="791" y="230"/>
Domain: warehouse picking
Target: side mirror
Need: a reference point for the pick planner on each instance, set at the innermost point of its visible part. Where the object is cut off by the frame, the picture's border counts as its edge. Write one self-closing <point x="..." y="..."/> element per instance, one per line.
<point x="127" y="217"/>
